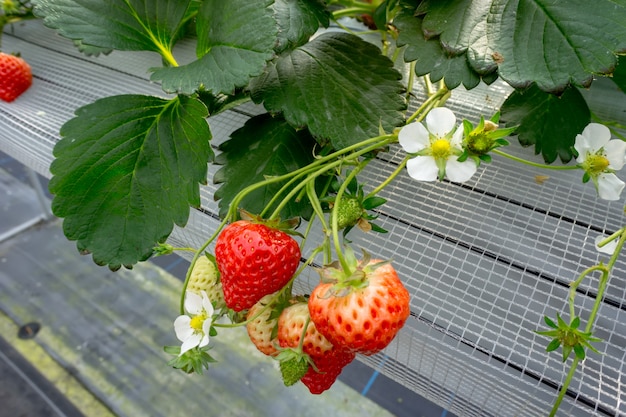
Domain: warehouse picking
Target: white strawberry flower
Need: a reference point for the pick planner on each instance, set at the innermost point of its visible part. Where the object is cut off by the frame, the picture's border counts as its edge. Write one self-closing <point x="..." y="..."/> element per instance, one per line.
<point x="436" y="144"/>
<point x="193" y="329"/>
<point x="600" y="156"/>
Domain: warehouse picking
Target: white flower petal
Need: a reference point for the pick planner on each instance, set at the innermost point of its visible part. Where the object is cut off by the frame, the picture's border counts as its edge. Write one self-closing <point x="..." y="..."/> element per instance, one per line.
<point x="204" y="341"/>
<point x="422" y="168"/>
<point x="609" y="248"/>
<point x="413" y="137"/>
<point x="457" y="138"/>
<point x="190" y="343"/>
<point x="615" y="152"/>
<point x="582" y="146"/>
<point x="460" y="171"/>
<point x="182" y="327"/>
<point x="193" y="303"/>
<point x="597" y="135"/>
<point x="440" y="121"/>
<point x="206" y="304"/>
<point x="609" y="187"/>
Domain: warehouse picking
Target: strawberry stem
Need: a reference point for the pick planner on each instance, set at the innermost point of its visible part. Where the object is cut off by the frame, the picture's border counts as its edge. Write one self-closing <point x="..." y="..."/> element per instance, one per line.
<point x="334" y="216"/>
<point x="196" y="255"/>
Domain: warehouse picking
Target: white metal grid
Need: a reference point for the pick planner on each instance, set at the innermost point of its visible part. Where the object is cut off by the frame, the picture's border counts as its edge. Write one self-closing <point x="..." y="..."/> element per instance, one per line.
<point x="483" y="261"/>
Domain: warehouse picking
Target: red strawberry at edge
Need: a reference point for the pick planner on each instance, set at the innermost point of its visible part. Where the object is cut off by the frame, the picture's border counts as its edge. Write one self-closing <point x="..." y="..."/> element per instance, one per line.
<point x="328" y="360"/>
<point x="254" y="260"/>
<point x="15" y="77"/>
<point x="329" y="367"/>
<point x="363" y="312"/>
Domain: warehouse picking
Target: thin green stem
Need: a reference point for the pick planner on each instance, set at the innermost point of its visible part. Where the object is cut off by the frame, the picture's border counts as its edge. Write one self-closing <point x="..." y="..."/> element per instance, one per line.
<point x="312" y="175"/>
<point x="193" y="262"/>
<point x="369" y="144"/>
<point x="352" y="11"/>
<point x="535" y="164"/>
<point x="389" y="179"/>
<point x="568" y="380"/>
<point x="604" y="280"/>
<point x="317" y="207"/>
<point x="335" y="215"/>
<point x="434" y="100"/>
<point x="428" y="85"/>
<point x="411" y="79"/>
<point x="573" y="286"/>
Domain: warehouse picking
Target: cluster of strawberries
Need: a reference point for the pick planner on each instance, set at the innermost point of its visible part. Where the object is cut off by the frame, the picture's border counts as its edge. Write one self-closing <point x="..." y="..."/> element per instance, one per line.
<point x="314" y="337"/>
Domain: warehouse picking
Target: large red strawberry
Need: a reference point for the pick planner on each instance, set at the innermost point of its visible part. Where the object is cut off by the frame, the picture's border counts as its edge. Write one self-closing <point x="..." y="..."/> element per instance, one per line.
<point x="329" y="367"/>
<point x="363" y="311"/>
<point x="15" y="77"/>
<point x="254" y="260"/>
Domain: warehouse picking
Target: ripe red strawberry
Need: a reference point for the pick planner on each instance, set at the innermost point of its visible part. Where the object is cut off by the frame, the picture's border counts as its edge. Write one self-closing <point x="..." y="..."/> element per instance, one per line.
<point x="15" y="77"/>
<point x="261" y="328"/>
<point x="254" y="260"/>
<point x="329" y="367"/>
<point x="363" y="312"/>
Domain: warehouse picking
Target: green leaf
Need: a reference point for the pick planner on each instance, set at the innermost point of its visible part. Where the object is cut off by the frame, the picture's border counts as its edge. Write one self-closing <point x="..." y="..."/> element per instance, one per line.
<point x="550" y="323"/>
<point x="552" y="44"/>
<point x="619" y="76"/>
<point x="553" y="345"/>
<point x="373" y="202"/>
<point x="297" y="21"/>
<point x="126" y="170"/>
<point x="579" y="350"/>
<point x="235" y="39"/>
<point x="549" y="122"/>
<point x="430" y="57"/>
<point x="128" y="25"/>
<point x="263" y="147"/>
<point x="338" y="85"/>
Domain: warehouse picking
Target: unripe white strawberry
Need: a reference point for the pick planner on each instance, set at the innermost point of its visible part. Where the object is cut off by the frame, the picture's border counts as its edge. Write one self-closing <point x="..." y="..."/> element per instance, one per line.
<point x="261" y="328"/>
<point x="206" y="277"/>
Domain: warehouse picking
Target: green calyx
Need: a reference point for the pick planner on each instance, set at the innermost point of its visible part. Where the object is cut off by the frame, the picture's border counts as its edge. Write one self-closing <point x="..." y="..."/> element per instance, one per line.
<point x="293" y="366"/>
<point x="569" y="337"/>
<point x="486" y="136"/>
<point x="288" y="226"/>
<point x="194" y="360"/>
<point x="355" y="279"/>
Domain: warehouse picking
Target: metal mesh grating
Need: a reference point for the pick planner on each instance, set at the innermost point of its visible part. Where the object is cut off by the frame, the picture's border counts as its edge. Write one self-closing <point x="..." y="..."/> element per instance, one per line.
<point x="483" y="261"/>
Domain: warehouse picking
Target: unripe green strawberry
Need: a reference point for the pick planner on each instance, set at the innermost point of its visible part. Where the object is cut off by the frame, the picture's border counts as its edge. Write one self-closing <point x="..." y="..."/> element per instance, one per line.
<point x="349" y="211"/>
<point x="206" y="277"/>
<point x="261" y="328"/>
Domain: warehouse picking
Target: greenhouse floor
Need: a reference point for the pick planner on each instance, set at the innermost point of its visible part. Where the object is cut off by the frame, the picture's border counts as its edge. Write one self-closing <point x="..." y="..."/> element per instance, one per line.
<point x="77" y="339"/>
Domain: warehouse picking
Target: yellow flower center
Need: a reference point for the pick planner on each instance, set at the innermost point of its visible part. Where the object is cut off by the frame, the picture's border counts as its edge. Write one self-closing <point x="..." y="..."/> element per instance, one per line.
<point x="197" y="322"/>
<point x="440" y="148"/>
<point x="596" y="164"/>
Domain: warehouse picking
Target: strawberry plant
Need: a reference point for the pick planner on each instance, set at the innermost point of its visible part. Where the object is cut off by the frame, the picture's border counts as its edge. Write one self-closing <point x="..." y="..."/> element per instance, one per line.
<point x="128" y="168"/>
